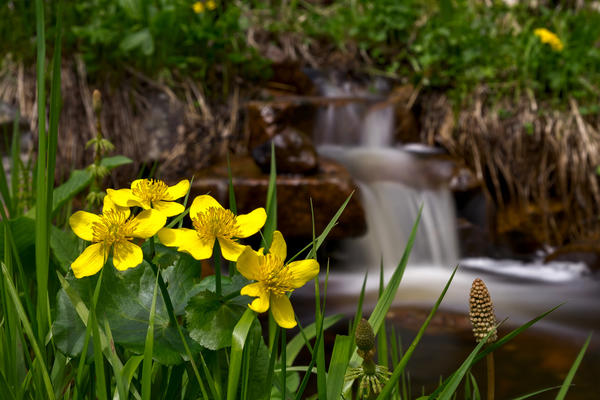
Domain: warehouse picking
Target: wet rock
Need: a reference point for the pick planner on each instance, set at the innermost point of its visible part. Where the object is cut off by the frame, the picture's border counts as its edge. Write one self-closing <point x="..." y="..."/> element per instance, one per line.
<point x="464" y="180"/>
<point x="265" y="119"/>
<point x="584" y="251"/>
<point x="294" y="153"/>
<point x="160" y="122"/>
<point x="328" y="188"/>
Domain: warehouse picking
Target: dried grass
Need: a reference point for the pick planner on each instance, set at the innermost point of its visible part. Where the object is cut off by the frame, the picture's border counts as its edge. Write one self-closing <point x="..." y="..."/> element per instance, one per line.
<point x="194" y="132"/>
<point x="539" y="164"/>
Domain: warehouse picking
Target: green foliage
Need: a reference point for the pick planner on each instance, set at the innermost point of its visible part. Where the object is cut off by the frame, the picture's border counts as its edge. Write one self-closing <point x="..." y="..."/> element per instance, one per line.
<point x="126" y="302"/>
<point x="157" y="37"/>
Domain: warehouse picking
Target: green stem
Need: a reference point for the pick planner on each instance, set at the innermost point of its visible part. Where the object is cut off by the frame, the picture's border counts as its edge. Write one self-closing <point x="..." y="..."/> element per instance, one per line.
<point x="173" y="320"/>
<point x="217" y="261"/>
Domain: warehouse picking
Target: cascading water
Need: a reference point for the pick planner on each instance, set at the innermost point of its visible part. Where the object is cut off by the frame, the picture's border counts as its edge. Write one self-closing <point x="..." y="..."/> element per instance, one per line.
<point x="394" y="181"/>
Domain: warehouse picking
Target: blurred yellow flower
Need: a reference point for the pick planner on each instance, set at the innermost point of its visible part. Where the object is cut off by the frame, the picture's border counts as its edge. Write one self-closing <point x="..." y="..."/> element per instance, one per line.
<point x="550" y="38"/>
<point x="112" y="230"/>
<point x="274" y="279"/>
<point x="199" y="6"/>
<point x="151" y="193"/>
<point x="212" y="222"/>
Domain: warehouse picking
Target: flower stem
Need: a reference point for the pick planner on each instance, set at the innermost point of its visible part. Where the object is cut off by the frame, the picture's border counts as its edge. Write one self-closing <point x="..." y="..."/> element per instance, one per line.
<point x="217" y="261"/>
<point x="173" y="320"/>
<point x="490" y="376"/>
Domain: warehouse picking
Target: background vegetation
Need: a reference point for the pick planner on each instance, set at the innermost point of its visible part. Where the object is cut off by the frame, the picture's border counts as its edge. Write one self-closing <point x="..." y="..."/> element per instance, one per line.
<point x="453" y="45"/>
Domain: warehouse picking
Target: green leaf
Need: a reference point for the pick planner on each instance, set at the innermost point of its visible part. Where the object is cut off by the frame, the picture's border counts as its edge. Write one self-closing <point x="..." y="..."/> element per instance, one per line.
<point x="23" y="232"/>
<point x="64" y="245"/>
<point x="141" y="39"/>
<point x="125" y="300"/>
<point x="211" y="321"/>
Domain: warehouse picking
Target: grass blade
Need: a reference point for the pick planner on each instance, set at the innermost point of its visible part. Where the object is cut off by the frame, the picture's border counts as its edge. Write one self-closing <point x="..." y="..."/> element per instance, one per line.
<point x="271" y="209"/>
<point x="238" y="339"/>
<point x="149" y="349"/>
<point x="338" y="365"/>
<point x="39" y="357"/>
<point x="42" y="244"/>
<point x="533" y="394"/>
<point x="399" y="368"/>
<point x="15" y="168"/>
<point x="321" y="238"/>
<point x="569" y="378"/>
<point x="307" y="333"/>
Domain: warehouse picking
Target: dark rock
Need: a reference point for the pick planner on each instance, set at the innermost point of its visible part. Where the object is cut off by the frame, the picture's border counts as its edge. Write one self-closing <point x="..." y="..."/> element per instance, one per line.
<point x="328" y="189"/>
<point x="289" y="78"/>
<point x="585" y="251"/>
<point x="160" y="122"/>
<point x="266" y="119"/>
<point x="294" y="153"/>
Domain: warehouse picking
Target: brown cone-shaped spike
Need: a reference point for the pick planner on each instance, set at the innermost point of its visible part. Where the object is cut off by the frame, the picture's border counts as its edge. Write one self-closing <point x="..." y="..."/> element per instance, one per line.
<point x="481" y="312"/>
<point x="365" y="337"/>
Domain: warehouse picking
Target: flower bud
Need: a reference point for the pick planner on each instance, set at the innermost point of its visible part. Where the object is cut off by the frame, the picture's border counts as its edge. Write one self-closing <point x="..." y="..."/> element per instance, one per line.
<point x="96" y="101"/>
<point x="481" y="312"/>
<point x="365" y="337"/>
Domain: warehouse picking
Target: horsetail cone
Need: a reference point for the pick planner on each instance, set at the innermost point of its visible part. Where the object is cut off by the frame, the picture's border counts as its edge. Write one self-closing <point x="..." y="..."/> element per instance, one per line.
<point x="365" y="337"/>
<point x="481" y="312"/>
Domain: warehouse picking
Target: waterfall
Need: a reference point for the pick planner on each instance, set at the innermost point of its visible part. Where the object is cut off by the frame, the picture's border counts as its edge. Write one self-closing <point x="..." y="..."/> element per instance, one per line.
<point x="394" y="181"/>
<point x="393" y="184"/>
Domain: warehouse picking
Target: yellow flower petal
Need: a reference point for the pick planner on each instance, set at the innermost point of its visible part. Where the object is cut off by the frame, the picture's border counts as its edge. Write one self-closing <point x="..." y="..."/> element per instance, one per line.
<point x="90" y="261"/>
<point x="147" y="223"/>
<point x="177" y="191"/>
<point x="124" y="198"/>
<point x="169" y="208"/>
<point x="109" y="205"/>
<point x="127" y="255"/>
<point x="231" y="250"/>
<point x="253" y="290"/>
<point x="82" y="222"/>
<point x="186" y="240"/>
<point x="261" y="303"/>
<point x="302" y="272"/>
<point x="278" y="247"/>
<point x="247" y="265"/>
<point x="201" y="204"/>
<point x="251" y="223"/>
<point x="282" y="311"/>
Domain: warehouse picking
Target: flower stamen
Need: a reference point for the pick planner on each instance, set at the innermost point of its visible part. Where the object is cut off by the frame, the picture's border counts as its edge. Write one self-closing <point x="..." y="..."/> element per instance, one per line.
<point x="216" y="223"/>
<point x="150" y="190"/>
<point x="113" y="227"/>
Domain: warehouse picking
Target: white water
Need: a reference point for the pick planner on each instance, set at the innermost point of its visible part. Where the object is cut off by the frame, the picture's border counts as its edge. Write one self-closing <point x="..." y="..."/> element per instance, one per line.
<point x="394" y="182"/>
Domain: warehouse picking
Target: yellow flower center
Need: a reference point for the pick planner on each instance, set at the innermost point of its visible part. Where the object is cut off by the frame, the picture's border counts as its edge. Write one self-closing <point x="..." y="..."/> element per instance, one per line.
<point x="276" y="276"/>
<point x="150" y="190"/>
<point x="113" y="227"/>
<point x="216" y="222"/>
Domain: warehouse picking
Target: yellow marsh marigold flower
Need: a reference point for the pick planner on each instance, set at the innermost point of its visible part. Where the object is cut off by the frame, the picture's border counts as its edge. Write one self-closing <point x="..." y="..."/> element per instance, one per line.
<point x="550" y="38"/>
<point x="152" y="193"/>
<point x="113" y="229"/>
<point x="211" y="221"/>
<point x="198" y="7"/>
<point x="274" y="279"/>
